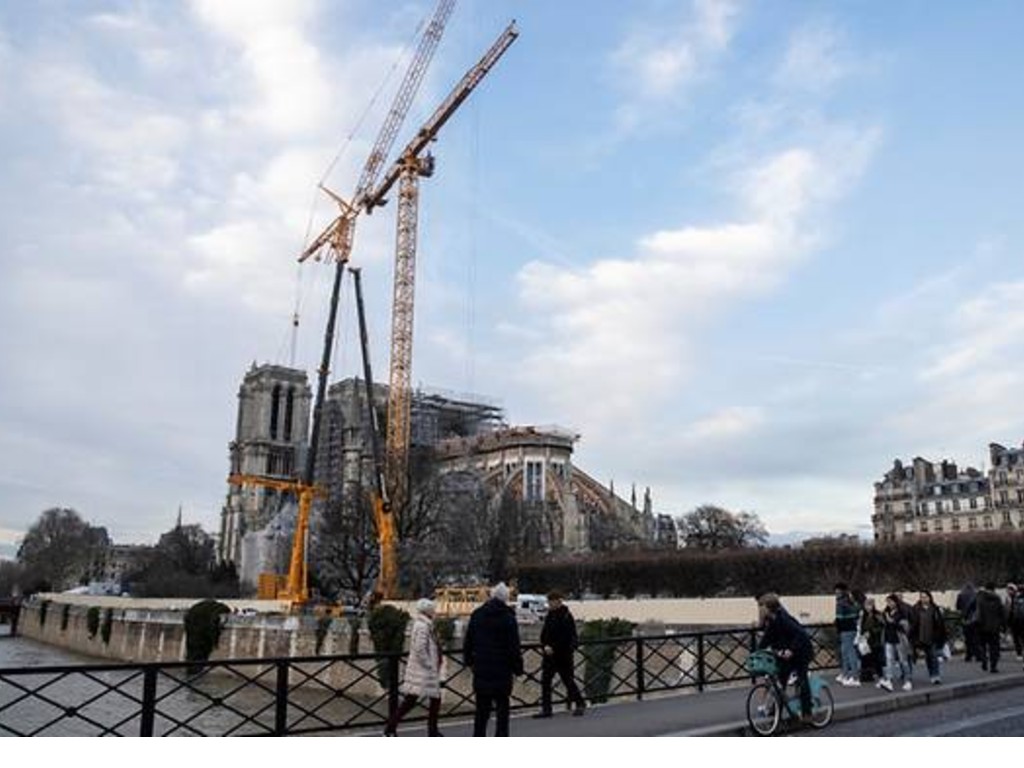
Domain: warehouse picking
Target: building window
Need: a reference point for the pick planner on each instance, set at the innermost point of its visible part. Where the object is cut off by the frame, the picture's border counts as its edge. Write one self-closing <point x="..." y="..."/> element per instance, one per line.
<point x="924" y="526"/>
<point x="906" y="507"/>
<point x="887" y="507"/>
<point x="289" y="405"/>
<point x="937" y="490"/>
<point x="1004" y="498"/>
<point x="275" y="404"/>
<point x="938" y="526"/>
<point x="534" y="481"/>
<point x="974" y="502"/>
<point x="955" y="525"/>
<point x="956" y="505"/>
<point x="985" y="502"/>
<point x="972" y="523"/>
<point x="988" y="522"/>
<point x="1020" y="495"/>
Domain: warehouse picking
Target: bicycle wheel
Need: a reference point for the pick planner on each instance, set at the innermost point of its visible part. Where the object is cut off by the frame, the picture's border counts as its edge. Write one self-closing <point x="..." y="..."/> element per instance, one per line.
<point x="822" y="706"/>
<point x="763" y="710"/>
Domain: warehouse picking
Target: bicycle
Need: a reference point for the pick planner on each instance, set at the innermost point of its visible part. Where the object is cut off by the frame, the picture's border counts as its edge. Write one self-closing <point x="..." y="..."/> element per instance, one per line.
<point x="767" y="701"/>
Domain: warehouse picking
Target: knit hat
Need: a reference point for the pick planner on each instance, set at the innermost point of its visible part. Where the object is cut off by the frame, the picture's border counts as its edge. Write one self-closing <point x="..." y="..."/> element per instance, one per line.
<point x="500" y="591"/>
<point x="425" y="606"/>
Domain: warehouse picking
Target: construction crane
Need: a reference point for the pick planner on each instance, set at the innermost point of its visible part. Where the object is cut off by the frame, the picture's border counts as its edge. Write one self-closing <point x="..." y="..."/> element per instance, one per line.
<point x="382" y="519"/>
<point x="338" y="237"/>
<point x="407" y="170"/>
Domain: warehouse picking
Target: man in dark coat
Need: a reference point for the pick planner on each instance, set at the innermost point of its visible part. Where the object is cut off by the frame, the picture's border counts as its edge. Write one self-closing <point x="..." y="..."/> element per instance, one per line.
<point x="967" y="607"/>
<point x="558" y="641"/>
<point x="991" y="622"/>
<point x="791" y="643"/>
<point x="491" y="650"/>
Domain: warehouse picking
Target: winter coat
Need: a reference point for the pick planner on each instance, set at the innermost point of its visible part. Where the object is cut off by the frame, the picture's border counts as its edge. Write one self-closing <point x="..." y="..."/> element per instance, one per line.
<point x="991" y="614"/>
<point x="559" y="633"/>
<point x="491" y="648"/>
<point x="784" y="633"/>
<point x="847" y="612"/>
<point x="967" y="604"/>
<point x="895" y="627"/>
<point x="1015" y="611"/>
<point x="871" y="626"/>
<point x="423" y="669"/>
<point x="919" y="637"/>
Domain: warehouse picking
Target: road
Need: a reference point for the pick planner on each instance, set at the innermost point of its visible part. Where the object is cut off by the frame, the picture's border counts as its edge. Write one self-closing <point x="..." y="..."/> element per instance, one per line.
<point x="1000" y="713"/>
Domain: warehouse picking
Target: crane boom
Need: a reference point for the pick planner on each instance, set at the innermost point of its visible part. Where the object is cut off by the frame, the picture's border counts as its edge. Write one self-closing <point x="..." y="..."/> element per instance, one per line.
<point x="340" y="233"/>
<point x="407" y="170"/>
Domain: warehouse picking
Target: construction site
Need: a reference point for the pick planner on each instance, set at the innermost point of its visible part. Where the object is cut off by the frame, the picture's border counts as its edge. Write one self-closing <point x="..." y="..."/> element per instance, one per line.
<point x="338" y="490"/>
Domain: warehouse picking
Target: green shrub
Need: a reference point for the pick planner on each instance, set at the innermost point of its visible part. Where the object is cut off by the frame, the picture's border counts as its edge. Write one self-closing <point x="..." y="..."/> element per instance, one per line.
<point x="323" y="624"/>
<point x="64" y="616"/>
<point x="355" y="623"/>
<point x="387" y="630"/>
<point x="92" y="621"/>
<point x="202" y="629"/>
<point x="108" y="621"/>
<point x="599" y="659"/>
<point x="445" y="628"/>
<point x="44" y="606"/>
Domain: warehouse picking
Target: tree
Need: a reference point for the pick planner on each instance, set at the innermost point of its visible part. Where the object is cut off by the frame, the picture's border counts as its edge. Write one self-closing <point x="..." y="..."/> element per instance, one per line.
<point x="62" y="550"/>
<point x="182" y="565"/>
<point x="712" y="528"/>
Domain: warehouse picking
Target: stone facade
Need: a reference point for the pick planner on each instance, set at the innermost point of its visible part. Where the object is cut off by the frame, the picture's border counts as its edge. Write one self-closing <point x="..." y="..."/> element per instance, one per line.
<point x="1006" y="481"/>
<point x="271" y="437"/>
<point x="927" y="498"/>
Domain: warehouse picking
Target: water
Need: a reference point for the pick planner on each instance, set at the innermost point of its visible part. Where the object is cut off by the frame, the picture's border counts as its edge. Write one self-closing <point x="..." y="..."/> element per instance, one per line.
<point x="22" y="652"/>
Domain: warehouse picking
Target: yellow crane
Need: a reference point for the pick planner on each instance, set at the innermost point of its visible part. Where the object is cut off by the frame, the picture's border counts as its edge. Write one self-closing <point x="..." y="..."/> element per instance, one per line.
<point x="338" y="237"/>
<point x="409" y="167"/>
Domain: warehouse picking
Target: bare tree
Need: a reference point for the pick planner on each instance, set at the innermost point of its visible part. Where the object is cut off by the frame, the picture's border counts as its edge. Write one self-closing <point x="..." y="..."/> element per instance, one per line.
<point x="714" y="528"/>
<point x="61" y="550"/>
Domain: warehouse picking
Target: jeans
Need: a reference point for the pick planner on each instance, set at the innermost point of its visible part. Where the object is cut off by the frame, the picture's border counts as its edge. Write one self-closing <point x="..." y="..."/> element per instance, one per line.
<point x="849" y="657"/>
<point x="896" y="662"/>
<point x="931" y="660"/>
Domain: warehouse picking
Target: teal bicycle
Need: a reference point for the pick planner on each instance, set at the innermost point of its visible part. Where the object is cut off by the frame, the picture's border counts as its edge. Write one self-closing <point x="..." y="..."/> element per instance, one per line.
<point x="768" y="705"/>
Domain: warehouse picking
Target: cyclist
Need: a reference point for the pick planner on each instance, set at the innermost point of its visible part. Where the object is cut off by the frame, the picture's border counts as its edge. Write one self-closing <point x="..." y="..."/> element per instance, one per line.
<point x="792" y="645"/>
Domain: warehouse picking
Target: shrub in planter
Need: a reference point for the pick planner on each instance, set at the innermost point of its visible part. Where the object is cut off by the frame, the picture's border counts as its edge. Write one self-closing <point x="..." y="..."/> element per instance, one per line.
<point x="64" y="616"/>
<point x="445" y="628"/>
<point x="355" y="623"/>
<point x="44" y="606"/>
<point x="387" y="630"/>
<point x="599" y="659"/>
<point x="202" y="629"/>
<point x="323" y="625"/>
<point x="92" y="621"/>
<point x="108" y="620"/>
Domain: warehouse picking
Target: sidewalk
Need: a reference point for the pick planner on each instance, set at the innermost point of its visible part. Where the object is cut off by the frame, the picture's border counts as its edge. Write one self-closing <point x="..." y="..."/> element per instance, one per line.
<point x="722" y="712"/>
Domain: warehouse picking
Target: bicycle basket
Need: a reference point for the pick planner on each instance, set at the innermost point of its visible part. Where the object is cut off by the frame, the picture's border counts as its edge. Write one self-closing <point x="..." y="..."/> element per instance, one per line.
<point x="762" y="663"/>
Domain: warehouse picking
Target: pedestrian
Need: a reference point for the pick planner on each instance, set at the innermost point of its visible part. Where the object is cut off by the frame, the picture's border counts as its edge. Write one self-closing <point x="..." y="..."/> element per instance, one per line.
<point x="928" y="633"/>
<point x="558" y="644"/>
<point x="491" y="650"/>
<point x="422" y="679"/>
<point x="873" y="662"/>
<point x="967" y="607"/>
<point x="991" y="622"/>
<point x="792" y="646"/>
<point x="895" y="629"/>
<point x="1015" y="616"/>
<point x="847" y="612"/>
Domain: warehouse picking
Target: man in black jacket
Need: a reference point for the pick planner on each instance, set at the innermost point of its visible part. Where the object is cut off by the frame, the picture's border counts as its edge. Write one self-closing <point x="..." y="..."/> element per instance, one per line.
<point x="558" y="641"/>
<point x="491" y="650"/>
<point x="991" y="622"/>
<point x="791" y="643"/>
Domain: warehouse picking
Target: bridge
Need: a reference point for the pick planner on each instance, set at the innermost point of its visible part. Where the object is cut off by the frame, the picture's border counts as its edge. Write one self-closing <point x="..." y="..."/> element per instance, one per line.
<point x="691" y="683"/>
<point x="10" y="610"/>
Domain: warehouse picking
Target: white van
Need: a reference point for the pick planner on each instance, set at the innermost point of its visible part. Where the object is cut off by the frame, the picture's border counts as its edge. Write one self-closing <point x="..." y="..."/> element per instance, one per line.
<point x="531" y="609"/>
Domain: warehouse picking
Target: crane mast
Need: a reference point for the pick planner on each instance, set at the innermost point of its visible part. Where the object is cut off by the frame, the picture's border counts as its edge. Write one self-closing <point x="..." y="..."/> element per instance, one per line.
<point x="409" y="168"/>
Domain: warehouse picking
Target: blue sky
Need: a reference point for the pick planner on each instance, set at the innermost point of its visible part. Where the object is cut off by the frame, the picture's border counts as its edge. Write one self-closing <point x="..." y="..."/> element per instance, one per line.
<point x="750" y="251"/>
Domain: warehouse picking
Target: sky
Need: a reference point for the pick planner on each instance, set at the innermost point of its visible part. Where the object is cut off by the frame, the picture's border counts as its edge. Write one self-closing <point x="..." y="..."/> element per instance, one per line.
<point x="750" y="251"/>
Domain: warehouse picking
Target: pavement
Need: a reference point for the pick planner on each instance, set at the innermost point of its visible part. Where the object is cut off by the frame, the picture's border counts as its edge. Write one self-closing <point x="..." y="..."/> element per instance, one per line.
<point x="722" y="711"/>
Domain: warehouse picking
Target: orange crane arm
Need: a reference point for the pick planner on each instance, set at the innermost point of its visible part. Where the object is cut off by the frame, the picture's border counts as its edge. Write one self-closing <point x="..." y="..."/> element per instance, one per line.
<point x="340" y="233"/>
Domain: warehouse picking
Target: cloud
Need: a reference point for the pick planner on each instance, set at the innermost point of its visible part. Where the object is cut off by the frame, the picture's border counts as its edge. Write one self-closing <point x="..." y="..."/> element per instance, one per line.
<point x="815" y="59"/>
<point x="655" y="65"/>
<point x="641" y="314"/>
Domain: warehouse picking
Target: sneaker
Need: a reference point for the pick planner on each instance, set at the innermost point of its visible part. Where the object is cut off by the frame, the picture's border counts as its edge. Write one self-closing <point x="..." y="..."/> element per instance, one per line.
<point x="886" y="684"/>
<point x="908" y="686"/>
<point x="841" y="679"/>
<point x="852" y="682"/>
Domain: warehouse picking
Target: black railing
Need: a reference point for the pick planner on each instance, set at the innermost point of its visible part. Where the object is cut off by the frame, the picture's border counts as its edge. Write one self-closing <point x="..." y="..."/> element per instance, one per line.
<point x="284" y="696"/>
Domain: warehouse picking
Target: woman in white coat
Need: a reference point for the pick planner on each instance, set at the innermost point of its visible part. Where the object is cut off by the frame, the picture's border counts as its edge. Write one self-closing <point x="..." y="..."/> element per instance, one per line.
<point x="422" y="677"/>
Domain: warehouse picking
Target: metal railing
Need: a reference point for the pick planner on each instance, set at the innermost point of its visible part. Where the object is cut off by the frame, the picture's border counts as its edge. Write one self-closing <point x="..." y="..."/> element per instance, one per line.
<point x="290" y="696"/>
